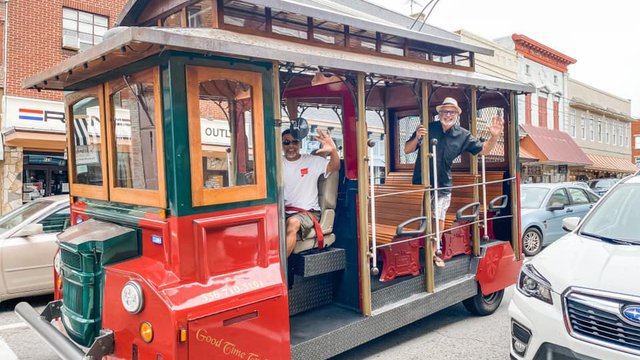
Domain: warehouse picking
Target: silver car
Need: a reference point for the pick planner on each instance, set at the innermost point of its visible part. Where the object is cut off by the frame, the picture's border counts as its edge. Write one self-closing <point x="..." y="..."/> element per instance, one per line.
<point x="543" y="208"/>
<point x="28" y="245"/>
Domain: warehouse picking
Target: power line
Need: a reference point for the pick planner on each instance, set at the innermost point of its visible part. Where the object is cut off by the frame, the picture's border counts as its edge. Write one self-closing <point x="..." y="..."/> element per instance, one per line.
<point x="419" y="15"/>
<point x="429" y="14"/>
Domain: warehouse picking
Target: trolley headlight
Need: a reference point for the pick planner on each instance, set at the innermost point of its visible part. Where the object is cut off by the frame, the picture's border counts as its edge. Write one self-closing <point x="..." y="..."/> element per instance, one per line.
<point x="132" y="298"/>
<point x="532" y="284"/>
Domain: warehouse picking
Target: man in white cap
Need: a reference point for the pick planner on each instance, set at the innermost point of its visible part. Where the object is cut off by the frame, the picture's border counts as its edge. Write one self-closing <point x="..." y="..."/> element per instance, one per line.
<point x="453" y="140"/>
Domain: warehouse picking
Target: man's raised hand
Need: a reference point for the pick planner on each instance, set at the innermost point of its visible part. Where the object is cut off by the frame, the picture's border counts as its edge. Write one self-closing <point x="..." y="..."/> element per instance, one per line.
<point x="326" y="142"/>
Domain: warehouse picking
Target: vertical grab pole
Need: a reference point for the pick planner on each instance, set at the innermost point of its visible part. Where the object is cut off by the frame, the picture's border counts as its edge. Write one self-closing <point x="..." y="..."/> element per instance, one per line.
<point x="485" y="237"/>
<point x="434" y="142"/>
<point x="429" y="275"/>
<point x="363" y="219"/>
<point x="372" y="192"/>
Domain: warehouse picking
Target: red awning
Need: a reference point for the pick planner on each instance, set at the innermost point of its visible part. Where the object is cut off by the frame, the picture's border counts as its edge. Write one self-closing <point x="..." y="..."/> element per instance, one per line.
<point x="552" y="146"/>
<point x="526" y="156"/>
<point x="611" y="163"/>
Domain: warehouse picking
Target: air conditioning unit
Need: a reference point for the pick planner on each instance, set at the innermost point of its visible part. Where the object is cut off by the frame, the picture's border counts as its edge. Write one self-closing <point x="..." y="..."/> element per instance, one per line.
<point x="70" y="42"/>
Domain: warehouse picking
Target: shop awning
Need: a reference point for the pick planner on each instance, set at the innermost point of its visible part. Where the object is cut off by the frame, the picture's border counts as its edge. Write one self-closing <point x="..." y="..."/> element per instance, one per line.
<point x="611" y="164"/>
<point x="552" y="146"/>
<point x="34" y="140"/>
<point x="526" y="156"/>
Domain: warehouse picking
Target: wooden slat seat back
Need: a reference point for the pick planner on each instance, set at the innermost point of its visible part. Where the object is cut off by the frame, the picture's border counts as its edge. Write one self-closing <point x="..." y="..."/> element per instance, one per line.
<point x="392" y="210"/>
<point x="464" y="196"/>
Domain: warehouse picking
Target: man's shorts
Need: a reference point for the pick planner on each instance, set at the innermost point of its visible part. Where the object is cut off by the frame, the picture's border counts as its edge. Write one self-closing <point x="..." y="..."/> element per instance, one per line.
<point x="306" y="222"/>
<point x="444" y="201"/>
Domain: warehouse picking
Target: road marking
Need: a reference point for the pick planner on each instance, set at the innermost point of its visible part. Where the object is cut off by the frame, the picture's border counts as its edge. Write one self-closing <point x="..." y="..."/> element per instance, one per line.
<point x="5" y="351"/>
<point x="12" y="326"/>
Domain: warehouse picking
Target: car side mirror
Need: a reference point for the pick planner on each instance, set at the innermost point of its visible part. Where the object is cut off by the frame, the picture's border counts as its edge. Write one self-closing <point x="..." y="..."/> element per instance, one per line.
<point x="569" y="224"/>
<point x="555" y="206"/>
<point x="29" y="230"/>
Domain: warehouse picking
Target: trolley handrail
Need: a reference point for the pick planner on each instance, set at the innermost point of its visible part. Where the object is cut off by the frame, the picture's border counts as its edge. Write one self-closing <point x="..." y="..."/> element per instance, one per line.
<point x="441" y="188"/>
<point x="443" y="231"/>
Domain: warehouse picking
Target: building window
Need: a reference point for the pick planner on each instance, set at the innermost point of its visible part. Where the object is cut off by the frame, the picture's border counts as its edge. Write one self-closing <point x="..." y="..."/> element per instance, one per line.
<point x="626" y="134"/>
<point x="81" y="30"/>
<point x="607" y="138"/>
<point x="583" y="130"/>
<point x="555" y="79"/>
<point x="613" y="126"/>
<point x="527" y="69"/>
<point x="591" y="130"/>
<point x="200" y="14"/>
<point x="572" y="123"/>
<point x="599" y="131"/>
<point x="637" y="142"/>
<point x="638" y="161"/>
<point x="620" y="136"/>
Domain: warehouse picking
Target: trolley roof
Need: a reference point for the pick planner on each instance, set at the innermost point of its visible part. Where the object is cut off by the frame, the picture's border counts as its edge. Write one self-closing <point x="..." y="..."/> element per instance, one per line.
<point x="129" y="44"/>
<point x="355" y="13"/>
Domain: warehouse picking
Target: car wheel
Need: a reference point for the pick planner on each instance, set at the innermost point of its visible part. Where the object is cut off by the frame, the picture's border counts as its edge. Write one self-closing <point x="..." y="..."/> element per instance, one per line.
<point x="483" y="305"/>
<point x="531" y="242"/>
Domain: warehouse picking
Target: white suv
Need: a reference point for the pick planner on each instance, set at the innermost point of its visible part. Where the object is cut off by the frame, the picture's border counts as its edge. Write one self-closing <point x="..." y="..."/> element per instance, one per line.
<point x="580" y="297"/>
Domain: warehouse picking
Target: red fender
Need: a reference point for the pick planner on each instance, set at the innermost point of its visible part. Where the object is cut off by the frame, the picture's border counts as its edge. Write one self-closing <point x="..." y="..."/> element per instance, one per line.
<point x="498" y="268"/>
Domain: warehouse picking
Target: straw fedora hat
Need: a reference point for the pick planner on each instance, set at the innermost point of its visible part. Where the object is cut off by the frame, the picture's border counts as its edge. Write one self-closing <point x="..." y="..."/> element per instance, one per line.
<point x="449" y="102"/>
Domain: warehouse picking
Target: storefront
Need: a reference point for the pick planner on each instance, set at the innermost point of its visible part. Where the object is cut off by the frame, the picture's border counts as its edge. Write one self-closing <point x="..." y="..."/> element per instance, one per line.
<point x="34" y="162"/>
<point x="605" y="166"/>
<point x="558" y="156"/>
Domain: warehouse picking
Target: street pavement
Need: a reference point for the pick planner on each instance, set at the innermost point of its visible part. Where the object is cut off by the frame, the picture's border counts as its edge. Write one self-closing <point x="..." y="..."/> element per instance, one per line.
<point x="452" y="333"/>
<point x="17" y="340"/>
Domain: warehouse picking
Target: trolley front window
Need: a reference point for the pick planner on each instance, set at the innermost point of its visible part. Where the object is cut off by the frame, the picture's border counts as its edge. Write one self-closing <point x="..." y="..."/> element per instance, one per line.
<point x="136" y="165"/>
<point x="86" y="144"/>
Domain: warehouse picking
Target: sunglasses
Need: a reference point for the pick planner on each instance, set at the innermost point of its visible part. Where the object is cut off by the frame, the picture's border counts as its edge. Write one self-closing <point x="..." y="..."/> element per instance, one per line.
<point x="448" y="112"/>
<point x="289" y="142"/>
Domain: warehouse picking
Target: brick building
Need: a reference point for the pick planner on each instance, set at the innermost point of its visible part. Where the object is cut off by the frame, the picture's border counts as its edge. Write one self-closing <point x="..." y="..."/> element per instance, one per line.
<point x="41" y="34"/>
<point x="635" y="142"/>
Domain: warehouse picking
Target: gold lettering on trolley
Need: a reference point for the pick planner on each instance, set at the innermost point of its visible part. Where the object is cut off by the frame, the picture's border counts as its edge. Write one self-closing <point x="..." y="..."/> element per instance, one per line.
<point x="232" y="290"/>
<point x="226" y="347"/>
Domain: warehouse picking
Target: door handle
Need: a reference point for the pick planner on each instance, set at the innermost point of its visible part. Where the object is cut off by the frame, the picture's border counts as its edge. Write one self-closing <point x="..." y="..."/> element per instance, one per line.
<point x="569" y="210"/>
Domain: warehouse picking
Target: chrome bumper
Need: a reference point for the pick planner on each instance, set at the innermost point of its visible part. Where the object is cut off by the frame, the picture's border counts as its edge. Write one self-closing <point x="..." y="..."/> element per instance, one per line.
<point x="62" y="345"/>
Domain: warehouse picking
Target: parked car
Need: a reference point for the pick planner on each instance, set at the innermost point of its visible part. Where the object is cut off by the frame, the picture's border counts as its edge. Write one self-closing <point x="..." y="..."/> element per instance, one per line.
<point x="580" y="298"/>
<point x="28" y="246"/>
<point x="601" y="186"/>
<point x="543" y="208"/>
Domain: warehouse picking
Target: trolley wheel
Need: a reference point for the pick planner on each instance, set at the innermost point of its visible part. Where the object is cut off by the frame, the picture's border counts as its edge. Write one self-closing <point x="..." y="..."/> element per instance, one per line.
<point x="531" y="241"/>
<point x="483" y="305"/>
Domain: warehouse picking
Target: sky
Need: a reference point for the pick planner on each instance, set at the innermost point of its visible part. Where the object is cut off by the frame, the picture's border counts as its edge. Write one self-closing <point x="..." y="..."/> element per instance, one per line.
<point x="603" y="36"/>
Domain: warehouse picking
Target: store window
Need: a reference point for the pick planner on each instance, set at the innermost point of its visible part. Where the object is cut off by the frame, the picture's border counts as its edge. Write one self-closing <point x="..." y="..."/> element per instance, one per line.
<point x="81" y="30"/>
<point x="44" y="174"/>
<point x="135" y="132"/>
<point x="227" y="152"/>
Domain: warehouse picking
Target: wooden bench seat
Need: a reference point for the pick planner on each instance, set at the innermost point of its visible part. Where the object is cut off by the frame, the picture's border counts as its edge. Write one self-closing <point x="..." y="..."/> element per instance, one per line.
<point x="395" y="209"/>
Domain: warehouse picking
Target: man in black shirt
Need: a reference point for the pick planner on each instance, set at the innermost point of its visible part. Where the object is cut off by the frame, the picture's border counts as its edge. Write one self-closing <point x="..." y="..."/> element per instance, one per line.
<point x="453" y="140"/>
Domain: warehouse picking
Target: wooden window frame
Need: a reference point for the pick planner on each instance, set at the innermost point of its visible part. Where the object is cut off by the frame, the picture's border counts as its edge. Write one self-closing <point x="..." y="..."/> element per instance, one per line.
<point x="100" y="192"/>
<point x="154" y="198"/>
<point x="199" y="195"/>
